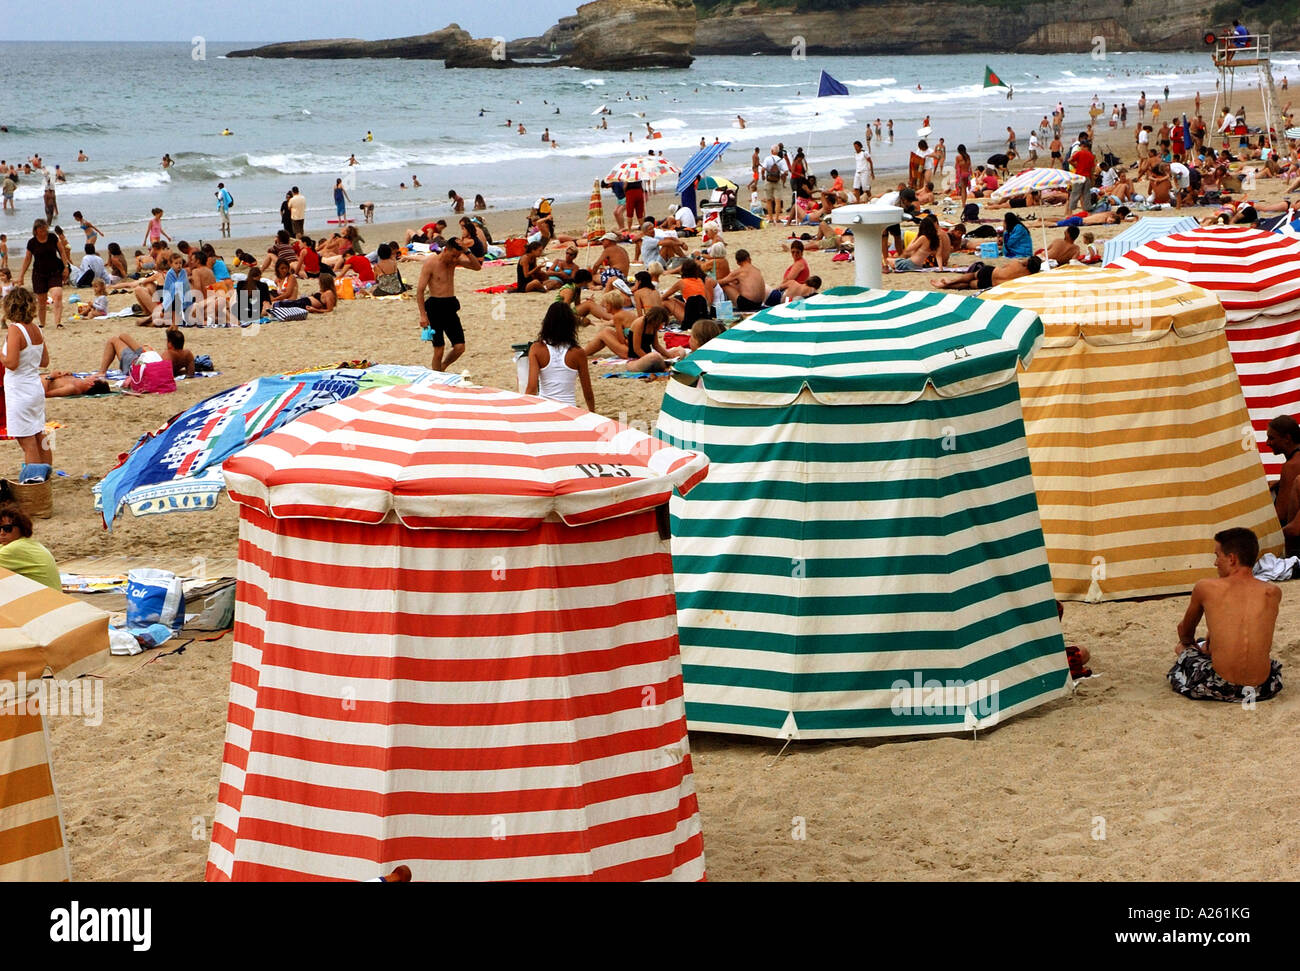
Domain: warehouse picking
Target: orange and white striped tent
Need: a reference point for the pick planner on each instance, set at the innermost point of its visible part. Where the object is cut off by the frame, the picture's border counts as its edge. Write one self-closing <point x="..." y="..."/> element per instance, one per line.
<point x="456" y="647"/>
<point x="1139" y="438"/>
<point x="1256" y="275"/>
<point x="42" y="632"/>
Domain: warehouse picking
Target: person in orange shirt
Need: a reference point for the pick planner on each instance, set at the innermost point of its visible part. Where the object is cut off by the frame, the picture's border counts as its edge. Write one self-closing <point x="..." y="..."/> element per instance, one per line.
<point x="837" y="186"/>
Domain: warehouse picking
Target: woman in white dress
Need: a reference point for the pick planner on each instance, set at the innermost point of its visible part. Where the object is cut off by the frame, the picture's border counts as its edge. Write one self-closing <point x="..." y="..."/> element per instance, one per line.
<point x="556" y="360"/>
<point x="25" y="353"/>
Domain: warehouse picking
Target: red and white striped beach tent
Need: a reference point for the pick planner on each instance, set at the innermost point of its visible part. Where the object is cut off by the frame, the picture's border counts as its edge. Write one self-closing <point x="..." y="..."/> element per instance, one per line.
<point x="1256" y="275"/>
<point x="456" y="647"/>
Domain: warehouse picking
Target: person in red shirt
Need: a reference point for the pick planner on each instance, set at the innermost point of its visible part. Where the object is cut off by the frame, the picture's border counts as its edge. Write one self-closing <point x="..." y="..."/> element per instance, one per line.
<point x="358" y="264"/>
<point x="1082" y="161"/>
<point x="308" y="264"/>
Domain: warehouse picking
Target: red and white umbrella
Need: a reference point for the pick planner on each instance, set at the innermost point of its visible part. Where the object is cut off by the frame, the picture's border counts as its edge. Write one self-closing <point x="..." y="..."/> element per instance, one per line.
<point x="456" y="647"/>
<point x="1256" y="275"/>
<point x="642" y="169"/>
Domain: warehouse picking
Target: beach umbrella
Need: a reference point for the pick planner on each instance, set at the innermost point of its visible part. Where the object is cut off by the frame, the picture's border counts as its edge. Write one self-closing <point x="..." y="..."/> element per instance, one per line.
<point x="1035" y="180"/>
<point x="178" y="467"/>
<point x="1293" y="132"/>
<point x="42" y="632"/>
<point x="1256" y="276"/>
<point x="869" y="527"/>
<point x="711" y="182"/>
<point x="641" y="169"/>
<point x="483" y="574"/>
<point x="595" y="214"/>
<point x="1134" y="417"/>
<point x="1143" y="231"/>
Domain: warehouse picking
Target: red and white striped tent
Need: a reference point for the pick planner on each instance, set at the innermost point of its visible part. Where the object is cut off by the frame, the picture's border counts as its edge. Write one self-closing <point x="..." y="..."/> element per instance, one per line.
<point x="1256" y="275"/>
<point x="456" y="647"/>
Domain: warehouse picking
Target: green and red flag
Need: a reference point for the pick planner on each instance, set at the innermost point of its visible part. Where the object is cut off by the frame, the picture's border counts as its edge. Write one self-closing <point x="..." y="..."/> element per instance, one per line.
<point x="991" y="80"/>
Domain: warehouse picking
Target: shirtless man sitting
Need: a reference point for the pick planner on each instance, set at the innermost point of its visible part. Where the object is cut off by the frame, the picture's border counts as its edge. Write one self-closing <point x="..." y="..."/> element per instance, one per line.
<point x="613" y="262"/>
<point x="1065" y="249"/>
<point x="1284" y="439"/>
<point x="988" y="275"/>
<point x="1232" y="663"/>
<point x="744" y="286"/>
<point x="125" y="349"/>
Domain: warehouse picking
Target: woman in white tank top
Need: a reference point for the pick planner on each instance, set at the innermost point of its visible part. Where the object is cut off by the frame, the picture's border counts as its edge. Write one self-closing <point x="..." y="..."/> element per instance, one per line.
<point x="555" y="361"/>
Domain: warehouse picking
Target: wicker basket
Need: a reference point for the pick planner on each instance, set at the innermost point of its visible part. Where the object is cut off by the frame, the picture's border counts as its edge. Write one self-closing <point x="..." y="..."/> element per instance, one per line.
<point x="34" y="498"/>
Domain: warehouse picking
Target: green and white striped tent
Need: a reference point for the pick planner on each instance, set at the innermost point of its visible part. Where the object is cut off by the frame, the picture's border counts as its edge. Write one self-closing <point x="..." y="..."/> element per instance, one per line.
<point x="866" y="556"/>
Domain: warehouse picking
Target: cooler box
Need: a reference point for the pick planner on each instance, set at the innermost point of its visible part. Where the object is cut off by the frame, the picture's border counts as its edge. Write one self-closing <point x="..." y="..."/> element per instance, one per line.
<point x="519" y="352"/>
<point x="987" y="251"/>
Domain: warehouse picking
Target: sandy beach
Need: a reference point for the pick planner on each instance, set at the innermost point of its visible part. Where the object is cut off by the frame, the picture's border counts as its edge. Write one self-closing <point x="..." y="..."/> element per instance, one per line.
<point x="1122" y="781"/>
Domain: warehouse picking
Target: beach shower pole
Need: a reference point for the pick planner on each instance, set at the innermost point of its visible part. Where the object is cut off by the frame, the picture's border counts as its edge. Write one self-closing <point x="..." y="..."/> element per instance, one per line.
<point x="868" y="221"/>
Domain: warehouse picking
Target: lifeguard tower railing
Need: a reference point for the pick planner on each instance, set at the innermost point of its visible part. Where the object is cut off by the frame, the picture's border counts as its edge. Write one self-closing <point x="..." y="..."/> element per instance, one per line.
<point x="1233" y="51"/>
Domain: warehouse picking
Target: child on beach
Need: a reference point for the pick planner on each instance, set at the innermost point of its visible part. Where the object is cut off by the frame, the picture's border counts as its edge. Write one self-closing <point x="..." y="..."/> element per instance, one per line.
<point x="97" y="307"/>
<point x="4" y="252"/>
<point x="154" y="231"/>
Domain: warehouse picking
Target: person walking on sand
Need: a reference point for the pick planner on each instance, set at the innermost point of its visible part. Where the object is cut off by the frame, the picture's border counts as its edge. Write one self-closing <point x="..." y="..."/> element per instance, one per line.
<point x="1232" y="662"/>
<point x="224" y="202"/>
<point x="51" y="200"/>
<point x="341" y="199"/>
<point x="45" y="258"/>
<point x="298" y="212"/>
<point x="154" y="231"/>
<point x="440" y="311"/>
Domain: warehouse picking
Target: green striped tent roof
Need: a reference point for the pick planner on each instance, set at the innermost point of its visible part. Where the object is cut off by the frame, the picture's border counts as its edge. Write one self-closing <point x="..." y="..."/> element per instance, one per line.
<point x="852" y="345"/>
<point x="873" y="565"/>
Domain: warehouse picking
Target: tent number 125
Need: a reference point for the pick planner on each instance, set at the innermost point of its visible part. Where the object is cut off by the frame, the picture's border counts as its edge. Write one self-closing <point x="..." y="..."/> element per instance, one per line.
<point x="597" y="471"/>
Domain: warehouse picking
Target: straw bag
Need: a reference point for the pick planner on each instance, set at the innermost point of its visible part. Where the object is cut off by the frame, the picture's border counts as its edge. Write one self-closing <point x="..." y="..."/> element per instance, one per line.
<point x="34" y="498"/>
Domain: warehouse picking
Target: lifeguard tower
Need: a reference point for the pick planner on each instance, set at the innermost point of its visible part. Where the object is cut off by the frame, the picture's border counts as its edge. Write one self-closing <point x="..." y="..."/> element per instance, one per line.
<point x="1244" y="52"/>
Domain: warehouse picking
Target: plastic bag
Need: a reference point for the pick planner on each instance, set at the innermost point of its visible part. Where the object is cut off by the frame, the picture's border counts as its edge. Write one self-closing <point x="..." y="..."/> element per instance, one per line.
<point x="154" y="597"/>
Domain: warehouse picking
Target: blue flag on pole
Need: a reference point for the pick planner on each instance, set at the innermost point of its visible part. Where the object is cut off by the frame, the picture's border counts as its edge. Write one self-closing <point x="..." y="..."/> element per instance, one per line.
<point x="828" y="86"/>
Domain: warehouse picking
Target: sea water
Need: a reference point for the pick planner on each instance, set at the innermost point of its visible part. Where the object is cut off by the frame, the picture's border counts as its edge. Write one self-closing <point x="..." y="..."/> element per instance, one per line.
<point x="296" y="122"/>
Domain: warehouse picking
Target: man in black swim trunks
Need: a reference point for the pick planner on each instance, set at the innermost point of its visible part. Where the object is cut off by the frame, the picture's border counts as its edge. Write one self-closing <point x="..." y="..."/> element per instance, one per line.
<point x="440" y="312"/>
<point x="744" y="286"/>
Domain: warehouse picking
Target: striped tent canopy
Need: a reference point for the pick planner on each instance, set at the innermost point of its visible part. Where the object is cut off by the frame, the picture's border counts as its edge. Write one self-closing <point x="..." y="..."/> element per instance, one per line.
<point x="1143" y="231"/>
<point x="1134" y="418"/>
<point x="1256" y="275"/>
<point x="456" y="647"/>
<point x="42" y="632"/>
<point x="866" y="556"/>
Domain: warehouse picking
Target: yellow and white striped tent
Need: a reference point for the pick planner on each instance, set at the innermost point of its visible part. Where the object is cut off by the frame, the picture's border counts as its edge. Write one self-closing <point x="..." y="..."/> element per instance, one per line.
<point x="1139" y="437"/>
<point x="42" y="632"/>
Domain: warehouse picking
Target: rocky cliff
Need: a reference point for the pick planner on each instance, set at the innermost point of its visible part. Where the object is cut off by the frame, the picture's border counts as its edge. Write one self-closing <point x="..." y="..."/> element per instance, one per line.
<point x="434" y="46"/>
<point x="623" y="34"/>
<point x="945" y="27"/>
<point x="557" y="41"/>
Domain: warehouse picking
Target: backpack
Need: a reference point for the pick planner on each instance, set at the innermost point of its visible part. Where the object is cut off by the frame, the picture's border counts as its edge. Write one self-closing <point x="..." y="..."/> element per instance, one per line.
<point x="230" y="201"/>
<point x="773" y="173"/>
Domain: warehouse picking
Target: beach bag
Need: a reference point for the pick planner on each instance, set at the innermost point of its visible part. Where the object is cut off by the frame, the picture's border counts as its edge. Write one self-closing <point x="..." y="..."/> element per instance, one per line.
<point x="345" y="289"/>
<point x="34" y="498"/>
<point x="154" y="597"/>
<point x="515" y="247"/>
<point x="156" y="377"/>
<point x="279" y="312"/>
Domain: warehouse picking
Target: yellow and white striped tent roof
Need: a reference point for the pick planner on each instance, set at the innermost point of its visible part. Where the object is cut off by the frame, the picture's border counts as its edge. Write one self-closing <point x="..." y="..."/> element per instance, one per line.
<point x="42" y="631"/>
<point x="1139" y="438"/>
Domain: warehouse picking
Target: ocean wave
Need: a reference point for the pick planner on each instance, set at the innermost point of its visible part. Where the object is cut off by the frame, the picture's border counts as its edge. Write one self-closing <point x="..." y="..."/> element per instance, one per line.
<point x="748" y="84"/>
<point x="32" y="188"/>
<point x="871" y="82"/>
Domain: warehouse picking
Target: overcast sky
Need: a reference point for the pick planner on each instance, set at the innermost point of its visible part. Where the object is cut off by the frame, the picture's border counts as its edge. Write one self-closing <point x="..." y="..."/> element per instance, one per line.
<point x="218" y="21"/>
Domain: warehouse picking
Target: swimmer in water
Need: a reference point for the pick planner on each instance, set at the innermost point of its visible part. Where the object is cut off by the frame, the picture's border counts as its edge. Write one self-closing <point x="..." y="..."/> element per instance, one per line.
<point x="370" y="136"/>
